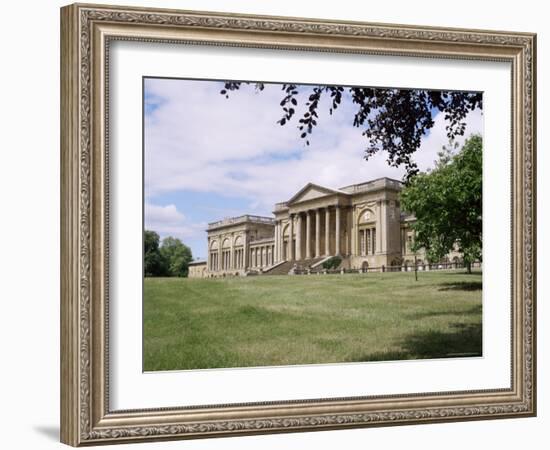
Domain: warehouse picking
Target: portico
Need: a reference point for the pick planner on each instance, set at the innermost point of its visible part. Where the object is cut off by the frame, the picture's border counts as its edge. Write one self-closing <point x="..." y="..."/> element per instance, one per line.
<point x="315" y="233"/>
<point x="313" y="224"/>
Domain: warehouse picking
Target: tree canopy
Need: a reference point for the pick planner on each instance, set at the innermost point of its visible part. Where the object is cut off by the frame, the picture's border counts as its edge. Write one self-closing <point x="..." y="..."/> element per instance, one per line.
<point x="177" y="255"/>
<point x="154" y="263"/>
<point x="170" y="259"/>
<point x="447" y="203"/>
<point x="393" y="120"/>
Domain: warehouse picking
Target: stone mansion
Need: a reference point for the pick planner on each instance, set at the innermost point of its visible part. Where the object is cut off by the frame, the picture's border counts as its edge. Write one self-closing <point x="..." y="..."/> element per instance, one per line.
<point x="361" y="223"/>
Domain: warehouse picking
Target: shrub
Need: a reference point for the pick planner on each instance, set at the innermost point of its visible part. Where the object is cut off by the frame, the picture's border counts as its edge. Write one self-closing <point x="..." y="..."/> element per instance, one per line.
<point x="332" y="263"/>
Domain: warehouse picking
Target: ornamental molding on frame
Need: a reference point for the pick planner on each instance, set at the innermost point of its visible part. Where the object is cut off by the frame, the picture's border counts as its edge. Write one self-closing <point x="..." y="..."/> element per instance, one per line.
<point x="292" y="25"/>
<point x="299" y="423"/>
<point x="203" y="20"/>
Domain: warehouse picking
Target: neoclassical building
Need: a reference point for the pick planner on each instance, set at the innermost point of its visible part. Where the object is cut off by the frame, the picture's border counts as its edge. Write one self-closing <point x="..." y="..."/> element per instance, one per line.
<point x="361" y="223"/>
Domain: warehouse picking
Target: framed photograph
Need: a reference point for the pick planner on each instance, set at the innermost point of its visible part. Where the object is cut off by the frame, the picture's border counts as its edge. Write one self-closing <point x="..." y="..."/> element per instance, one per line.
<point x="278" y="224"/>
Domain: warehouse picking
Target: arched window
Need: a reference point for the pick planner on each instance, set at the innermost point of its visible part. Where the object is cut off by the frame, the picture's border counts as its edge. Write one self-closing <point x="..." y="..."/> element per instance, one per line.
<point x="366" y="229"/>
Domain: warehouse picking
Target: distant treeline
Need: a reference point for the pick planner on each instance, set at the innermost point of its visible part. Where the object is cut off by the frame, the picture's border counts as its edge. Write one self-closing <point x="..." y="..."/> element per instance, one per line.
<point x="169" y="259"/>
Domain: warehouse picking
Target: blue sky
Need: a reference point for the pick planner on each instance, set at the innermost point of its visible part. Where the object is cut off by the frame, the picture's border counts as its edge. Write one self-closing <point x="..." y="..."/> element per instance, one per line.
<point x="208" y="157"/>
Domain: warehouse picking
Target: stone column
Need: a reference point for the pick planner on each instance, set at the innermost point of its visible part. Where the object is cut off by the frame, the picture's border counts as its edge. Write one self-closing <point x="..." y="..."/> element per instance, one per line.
<point x="282" y="242"/>
<point x="337" y="237"/>
<point x="308" y="235"/>
<point x="276" y="241"/>
<point x="246" y="250"/>
<point x="317" y="233"/>
<point x="327" y="231"/>
<point x="220" y="253"/>
<point x="380" y="226"/>
<point x="353" y="233"/>
<point x="232" y="263"/>
<point x="278" y="246"/>
<point x="299" y="238"/>
<point x="291" y="238"/>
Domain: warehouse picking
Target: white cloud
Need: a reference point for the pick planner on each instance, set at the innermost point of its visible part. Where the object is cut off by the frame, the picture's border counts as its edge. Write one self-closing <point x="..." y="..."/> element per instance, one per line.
<point x="168" y="221"/>
<point x="431" y="144"/>
<point x="166" y="214"/>
<point x="197" y="140"/>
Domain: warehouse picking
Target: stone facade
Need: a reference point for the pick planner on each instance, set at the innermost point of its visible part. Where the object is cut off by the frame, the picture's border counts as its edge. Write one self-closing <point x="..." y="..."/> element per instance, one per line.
<point x="197" y="269"/>
<point x="361" y="223"/>
<point x="240" y="244"/>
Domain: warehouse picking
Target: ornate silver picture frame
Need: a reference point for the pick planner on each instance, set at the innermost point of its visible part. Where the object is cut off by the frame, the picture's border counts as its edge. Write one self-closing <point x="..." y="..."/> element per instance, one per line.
<point x="87" y="33"/>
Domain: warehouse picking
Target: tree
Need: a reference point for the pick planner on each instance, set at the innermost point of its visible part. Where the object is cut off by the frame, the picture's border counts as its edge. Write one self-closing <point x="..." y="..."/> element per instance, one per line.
<point x="447" y="203"/>
<point x="170" y="259"/>
<point x="394" y="120"/>
<point x="177" y="256"/>
<point x="445" y="155"/>
<point x="154" y="263"/>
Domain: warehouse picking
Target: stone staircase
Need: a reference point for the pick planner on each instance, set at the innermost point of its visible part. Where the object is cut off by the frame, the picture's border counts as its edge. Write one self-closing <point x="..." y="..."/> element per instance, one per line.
<point x="281" y="269"/>
<point x="344" y="264"/>
<point x="287" y="266"/>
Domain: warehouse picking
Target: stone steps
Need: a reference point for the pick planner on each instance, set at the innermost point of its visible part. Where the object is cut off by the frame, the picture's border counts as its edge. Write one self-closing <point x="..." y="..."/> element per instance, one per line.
<point x="281" y="269"/>
<point x="287" y="266"/>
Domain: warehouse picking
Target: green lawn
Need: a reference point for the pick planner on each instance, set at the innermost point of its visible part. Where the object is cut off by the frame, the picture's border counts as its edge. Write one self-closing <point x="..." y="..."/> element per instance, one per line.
<point x="280" y="320"/>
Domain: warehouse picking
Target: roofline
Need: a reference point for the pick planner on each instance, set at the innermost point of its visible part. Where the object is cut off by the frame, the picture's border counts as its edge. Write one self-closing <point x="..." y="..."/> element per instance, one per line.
<point x="196" y="263"/>
<point x="245" y="218"/>
<point x="310" y="184"/>
<point x="371" y="181"/>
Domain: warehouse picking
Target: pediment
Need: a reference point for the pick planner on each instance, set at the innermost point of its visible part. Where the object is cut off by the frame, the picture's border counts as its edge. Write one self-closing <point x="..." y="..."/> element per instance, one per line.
<point x="311" y="191"/>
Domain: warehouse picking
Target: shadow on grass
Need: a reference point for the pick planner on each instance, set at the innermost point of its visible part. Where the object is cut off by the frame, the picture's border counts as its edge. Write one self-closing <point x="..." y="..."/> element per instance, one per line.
<point x="461" y="286"/>
<point x="464" y="272"/>
<point x="460" y="341"/>
<point x="473" y="311"/>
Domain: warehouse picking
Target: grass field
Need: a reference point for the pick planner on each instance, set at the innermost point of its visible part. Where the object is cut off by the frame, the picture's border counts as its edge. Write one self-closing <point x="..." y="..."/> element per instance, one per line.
<point x="280" y="320"/>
